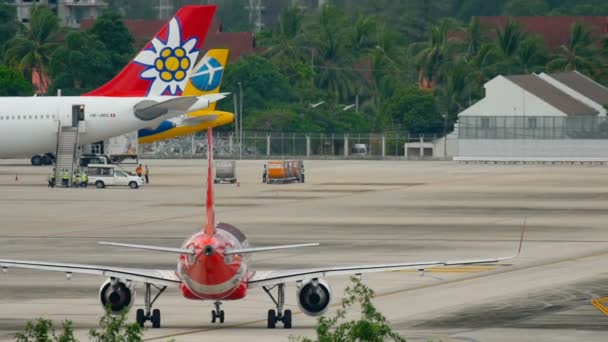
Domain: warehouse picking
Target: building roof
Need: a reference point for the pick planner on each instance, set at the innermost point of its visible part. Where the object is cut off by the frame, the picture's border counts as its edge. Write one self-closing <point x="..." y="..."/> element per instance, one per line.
<point x="552" y="95"/>
<point x="239" y="43"/>
<point x="554" y="29"/>
<point x="583" y="85"/>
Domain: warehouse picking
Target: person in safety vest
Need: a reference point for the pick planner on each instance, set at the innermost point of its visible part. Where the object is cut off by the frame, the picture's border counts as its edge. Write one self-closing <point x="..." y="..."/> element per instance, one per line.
<point x="65" y="178"/>
<point x="139" y="171"/>
<point x="52" y="179"/>
<point x="84" y="179"/>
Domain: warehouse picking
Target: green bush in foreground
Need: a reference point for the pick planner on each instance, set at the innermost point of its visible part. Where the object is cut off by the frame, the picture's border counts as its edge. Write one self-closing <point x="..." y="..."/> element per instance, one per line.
<point x="114" y="328"/>
<point x="372" y="326"/>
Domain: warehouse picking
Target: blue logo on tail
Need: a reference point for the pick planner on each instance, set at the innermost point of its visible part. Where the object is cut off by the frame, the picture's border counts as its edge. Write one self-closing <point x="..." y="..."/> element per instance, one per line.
<point x="209" y="76"/>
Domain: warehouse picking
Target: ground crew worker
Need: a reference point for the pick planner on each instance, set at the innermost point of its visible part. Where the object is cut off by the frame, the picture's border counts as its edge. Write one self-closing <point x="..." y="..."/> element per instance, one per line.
<point x="147" y="174"/>
<point x="52" y="179"/>
<point x="139" y="171"/>
<point x="265" y="174"/>
<point x="75" y="180"/>
<point x="65" y="178"/>
<point x="84" y="179"/>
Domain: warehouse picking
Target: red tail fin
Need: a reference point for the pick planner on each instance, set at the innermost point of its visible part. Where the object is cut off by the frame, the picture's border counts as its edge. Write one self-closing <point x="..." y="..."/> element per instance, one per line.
<point x="210" y="224"/>
<point x="162" y="66"/>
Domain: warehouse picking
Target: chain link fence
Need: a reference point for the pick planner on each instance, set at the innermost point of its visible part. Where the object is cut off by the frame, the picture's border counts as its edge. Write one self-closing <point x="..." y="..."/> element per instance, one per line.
<point x="263" y="145"/>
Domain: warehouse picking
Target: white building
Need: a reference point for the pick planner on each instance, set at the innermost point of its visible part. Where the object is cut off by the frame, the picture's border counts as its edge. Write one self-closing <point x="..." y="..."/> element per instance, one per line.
<point x="70" y="12"/>
<point x="561" y="115"/>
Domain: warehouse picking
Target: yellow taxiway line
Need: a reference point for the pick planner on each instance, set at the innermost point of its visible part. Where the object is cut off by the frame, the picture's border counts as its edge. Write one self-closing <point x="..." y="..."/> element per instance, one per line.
<point x="599" y="304"/>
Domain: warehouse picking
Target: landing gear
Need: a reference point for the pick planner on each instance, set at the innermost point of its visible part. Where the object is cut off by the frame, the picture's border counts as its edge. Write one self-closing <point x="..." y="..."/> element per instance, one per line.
<point x="279" y="315"/>
<point x="217" y="314"/>
<point x="141" y="315"/>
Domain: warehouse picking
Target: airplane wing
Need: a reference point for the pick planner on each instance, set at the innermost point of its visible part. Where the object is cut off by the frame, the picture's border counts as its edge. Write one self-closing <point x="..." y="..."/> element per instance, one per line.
<point x="157" y="277"/>
<point x="154" y="107"/>
<point x="269" y="278"/>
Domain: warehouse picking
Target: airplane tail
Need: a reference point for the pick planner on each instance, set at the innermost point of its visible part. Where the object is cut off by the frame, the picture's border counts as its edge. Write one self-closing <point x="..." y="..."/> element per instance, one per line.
<point x="162" y="66"/>
<point x="210" y="222"/>
<point x="206" y="76"/>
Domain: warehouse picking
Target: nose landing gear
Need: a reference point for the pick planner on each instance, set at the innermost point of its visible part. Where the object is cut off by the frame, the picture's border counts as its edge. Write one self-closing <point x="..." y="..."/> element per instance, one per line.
<point x="217" y="314"/>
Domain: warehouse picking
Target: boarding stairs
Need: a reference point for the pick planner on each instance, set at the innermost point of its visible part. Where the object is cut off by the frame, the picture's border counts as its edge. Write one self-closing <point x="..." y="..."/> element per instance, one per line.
<point x="67" y="146"/>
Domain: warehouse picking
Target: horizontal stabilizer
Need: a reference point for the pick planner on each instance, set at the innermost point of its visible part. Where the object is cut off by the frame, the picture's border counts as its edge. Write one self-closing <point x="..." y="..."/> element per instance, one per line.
<point x="197" y="120"/>
<point x="266" y="249"/>
<point x="151" y="248"/>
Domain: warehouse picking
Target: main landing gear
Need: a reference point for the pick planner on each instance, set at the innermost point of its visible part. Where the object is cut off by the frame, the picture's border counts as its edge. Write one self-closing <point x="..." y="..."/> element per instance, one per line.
<point x="217" y="314"/>
<point x="153" y="316"/>
<point x="279" y="315"/>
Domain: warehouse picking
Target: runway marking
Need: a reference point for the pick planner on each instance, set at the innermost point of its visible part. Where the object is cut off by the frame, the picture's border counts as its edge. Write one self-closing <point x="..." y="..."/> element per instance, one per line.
<point x="599" y="304"/>
<point x="464" y="269"/>
<point x="390" y="293"/>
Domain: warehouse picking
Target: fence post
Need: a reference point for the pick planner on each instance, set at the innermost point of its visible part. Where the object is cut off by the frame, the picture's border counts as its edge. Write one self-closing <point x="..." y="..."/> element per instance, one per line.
<point x="421" y="139"/>
<point x="192" y="146"/>
<point x="346" y="144"/>
<point x="268" y="144"/>
<point x="230" y="143"/>
<point x="307" y="145"/>
<point x="383" y="146"/>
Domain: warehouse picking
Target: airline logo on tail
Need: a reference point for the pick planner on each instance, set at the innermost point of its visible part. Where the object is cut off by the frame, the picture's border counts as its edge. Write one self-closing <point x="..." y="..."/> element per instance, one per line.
<point x="163" y="66"/>
<point x="209" y="76"/>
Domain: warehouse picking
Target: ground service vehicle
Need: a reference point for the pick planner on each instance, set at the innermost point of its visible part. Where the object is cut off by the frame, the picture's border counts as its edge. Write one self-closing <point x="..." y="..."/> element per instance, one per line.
<point x="103" y="175"/>
<point x="285" y="171"/>
<point x="359" y="150"/>
<point x="225" y="171"/>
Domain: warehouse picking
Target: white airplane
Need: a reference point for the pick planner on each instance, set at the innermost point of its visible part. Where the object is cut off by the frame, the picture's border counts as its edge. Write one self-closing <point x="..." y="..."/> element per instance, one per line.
<point x="214" y="265"/>
<point x="130" y="101"/>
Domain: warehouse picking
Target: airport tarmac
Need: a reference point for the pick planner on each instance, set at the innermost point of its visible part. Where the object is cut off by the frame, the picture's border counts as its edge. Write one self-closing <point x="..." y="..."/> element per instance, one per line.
<point x="362" y="212"/>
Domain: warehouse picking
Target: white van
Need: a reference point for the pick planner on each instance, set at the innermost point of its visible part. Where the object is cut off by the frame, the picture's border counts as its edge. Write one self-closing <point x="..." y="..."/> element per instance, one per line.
<point x="358" y="150"/>
<point x="103" y="175"/>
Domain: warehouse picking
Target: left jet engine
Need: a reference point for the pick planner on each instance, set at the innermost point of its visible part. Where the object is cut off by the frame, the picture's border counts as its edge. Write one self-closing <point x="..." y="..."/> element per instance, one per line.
<point x="117" y="295"/>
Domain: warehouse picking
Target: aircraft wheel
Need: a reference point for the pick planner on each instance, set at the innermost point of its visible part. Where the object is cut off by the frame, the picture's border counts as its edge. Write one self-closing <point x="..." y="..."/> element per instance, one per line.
<point x="36" y="160"/>
<point x="287" y="319"/>
<point x="221" y="316"/>
<point x="155" y="318"/>
<point x="272" y="319"/>
<point x="213" y="316"/>
<point x="140" y="317"/>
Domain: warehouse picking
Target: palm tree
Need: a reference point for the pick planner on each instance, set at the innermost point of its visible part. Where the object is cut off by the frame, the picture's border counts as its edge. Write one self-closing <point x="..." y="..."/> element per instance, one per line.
<point x="531" y="55"/>
<point x="456" y="92"/>
<point x="475" y="37"/>
<point x="509" y="38"/>
<point x="578" y="54"/>
<point x="430" y="60"/>
<point x="30" y="51"/>
<point x="334" y="71"/>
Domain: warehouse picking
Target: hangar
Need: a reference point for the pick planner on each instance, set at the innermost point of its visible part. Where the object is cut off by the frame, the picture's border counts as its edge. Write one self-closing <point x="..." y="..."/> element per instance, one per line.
<point x="557" y="115"/>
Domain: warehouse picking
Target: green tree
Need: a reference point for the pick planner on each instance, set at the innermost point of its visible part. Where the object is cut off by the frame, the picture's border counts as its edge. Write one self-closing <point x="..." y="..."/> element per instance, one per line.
<point x="531" y="56"/>
<point x="372" y="326"/>
<point x="12" y="83"/>
<point x="44" y="331"/>
<point x="526" y="7"/>
<point x="110" y="30"/>
<point x="509" y="38"/>
<point x="32" y="49"/>
<point x="415" y="109"/>
<point x="81" y="65"/>
<point x="262" y="84"/>
<point x="432" y="58"/>
<point x="8" y="23"/>
<point x="334" y="72"/>
<point x="455" y="94"/>
<point x="578" y="54"/>
<point x="114" y="328"/>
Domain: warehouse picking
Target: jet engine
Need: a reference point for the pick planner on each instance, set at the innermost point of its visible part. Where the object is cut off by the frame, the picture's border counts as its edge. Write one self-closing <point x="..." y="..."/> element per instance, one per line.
<point x="117" y="295"/>
<point x="314" y="296"/>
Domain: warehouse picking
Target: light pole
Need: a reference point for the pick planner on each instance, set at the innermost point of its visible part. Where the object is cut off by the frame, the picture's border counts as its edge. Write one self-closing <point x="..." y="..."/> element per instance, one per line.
<point x="241" y="121"/>
<point x="445" y="136"/>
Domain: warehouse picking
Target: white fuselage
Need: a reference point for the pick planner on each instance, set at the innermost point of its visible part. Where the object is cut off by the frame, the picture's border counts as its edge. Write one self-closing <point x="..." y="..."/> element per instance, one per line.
<point x="29" y="125"/>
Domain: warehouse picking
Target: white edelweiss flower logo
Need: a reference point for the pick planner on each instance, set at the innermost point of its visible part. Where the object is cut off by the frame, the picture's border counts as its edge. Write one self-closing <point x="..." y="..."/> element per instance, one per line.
<point x="168" y="63"/>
